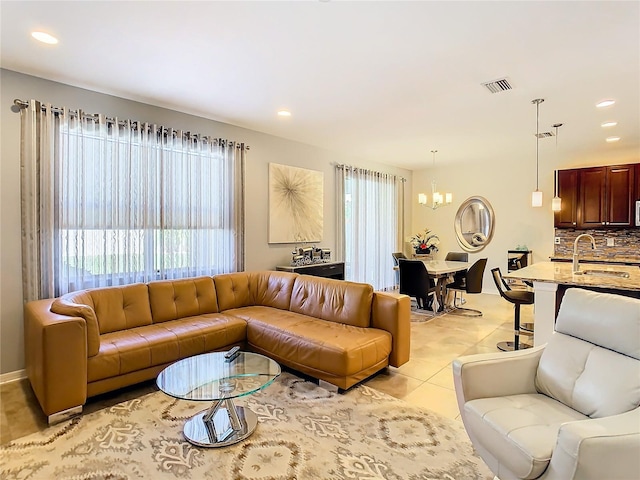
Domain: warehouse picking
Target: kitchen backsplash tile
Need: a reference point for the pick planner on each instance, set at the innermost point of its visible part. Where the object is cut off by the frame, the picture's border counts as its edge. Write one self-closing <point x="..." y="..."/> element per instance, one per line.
<point x="626" y="244"/>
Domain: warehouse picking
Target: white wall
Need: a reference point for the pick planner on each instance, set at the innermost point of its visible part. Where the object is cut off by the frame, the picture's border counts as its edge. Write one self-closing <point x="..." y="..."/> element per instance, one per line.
<point x="264" y="150"/>
<point x="509" y="193"/>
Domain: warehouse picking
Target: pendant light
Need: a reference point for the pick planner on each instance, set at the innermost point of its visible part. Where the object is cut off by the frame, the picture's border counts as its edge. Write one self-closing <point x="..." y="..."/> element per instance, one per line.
<point x="536" y="196"/>
<point x="556" y="203"/>
<point x="437" y="199"/>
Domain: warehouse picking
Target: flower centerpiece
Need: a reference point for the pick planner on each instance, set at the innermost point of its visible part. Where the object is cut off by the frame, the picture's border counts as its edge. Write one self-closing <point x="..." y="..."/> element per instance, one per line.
<point x="425" y="242"/>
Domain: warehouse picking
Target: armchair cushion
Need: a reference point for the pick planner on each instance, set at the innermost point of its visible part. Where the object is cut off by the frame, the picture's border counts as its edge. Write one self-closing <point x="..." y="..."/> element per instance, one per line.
<point x="522" y="428"/>
<point x="589" y="362"/>
<point x="593" y="380"/>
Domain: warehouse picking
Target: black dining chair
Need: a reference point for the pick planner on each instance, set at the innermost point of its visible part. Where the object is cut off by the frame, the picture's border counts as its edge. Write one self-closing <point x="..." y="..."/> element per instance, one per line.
<point x="517" y="297"/>
<point x="471" y="282"/>
<point x="458" y="277"/>
<point x="415" y="282"/>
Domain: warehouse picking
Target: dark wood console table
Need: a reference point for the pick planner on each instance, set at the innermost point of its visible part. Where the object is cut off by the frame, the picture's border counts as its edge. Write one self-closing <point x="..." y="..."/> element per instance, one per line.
<point x="329" y="270"/>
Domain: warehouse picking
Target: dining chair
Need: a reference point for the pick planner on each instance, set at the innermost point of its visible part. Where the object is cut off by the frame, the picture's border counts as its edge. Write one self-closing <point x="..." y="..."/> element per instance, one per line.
<point x="415" y="282"/>
<point x="396" y="256"/>
<point x="458" y="277"/>
<point x="517" y="297"/>
<point x="471" y="282"/>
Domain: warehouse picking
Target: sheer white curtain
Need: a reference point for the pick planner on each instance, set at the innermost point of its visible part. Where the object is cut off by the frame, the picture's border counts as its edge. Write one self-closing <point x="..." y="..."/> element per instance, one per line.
<point x="110" y="202"/>
<point x="369" y="224"/>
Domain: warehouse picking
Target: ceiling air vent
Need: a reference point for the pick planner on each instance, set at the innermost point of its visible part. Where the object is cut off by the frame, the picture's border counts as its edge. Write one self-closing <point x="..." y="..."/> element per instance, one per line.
<point x="544" y="134"/>
<point x="497" y="86"/>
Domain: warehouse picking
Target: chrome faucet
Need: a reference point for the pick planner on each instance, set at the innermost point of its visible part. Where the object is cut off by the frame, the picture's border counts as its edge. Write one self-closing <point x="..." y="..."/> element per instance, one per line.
<point x="576" y="264"/>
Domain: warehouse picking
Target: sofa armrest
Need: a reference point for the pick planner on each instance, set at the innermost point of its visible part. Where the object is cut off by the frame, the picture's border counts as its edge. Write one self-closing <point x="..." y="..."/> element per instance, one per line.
<point x="605" y="447"/>
<point x="495" y="374"/>
<point x="392" y="312"/>
<point x="55" y="357"/>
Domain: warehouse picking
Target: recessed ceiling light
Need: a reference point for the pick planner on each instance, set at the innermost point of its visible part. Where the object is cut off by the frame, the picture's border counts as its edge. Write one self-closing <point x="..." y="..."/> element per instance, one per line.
<point x="44" y="37"/>
<point x="284" y="113"/>
<point x="612" y="139"/>
<point x="605" y="103"/>
<point x="608" y="124"/>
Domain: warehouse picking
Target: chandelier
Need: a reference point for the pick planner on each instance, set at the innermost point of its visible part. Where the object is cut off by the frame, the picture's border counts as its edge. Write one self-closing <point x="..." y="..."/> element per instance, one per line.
<point x="437" y="198"/>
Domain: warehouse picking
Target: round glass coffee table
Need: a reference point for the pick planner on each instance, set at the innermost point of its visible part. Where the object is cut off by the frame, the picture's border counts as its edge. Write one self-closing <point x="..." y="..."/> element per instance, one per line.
<point x="213" y="377"/>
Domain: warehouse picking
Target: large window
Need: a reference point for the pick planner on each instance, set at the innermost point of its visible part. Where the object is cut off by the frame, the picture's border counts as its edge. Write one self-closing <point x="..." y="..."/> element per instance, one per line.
<point x="130" y="202"/>
<point x="370" y="224"/>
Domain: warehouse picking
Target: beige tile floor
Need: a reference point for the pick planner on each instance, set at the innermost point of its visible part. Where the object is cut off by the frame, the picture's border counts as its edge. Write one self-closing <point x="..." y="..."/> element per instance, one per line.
<point x="426" y="380"/>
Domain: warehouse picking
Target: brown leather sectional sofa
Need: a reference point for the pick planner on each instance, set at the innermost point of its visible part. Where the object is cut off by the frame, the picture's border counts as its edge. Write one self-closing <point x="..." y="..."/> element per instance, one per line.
<point x="93" y="341"/>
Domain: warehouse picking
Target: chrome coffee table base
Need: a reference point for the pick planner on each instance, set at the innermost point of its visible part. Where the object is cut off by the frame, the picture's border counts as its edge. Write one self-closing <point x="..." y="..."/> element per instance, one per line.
<point x="221" y="425"/>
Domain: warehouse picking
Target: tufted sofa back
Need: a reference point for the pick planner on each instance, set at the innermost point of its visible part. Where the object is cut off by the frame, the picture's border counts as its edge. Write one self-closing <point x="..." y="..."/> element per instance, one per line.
<point x="246" y="289"/>
<point x="342" y="302"/>
<point x="173" y="299"/>
<point x="592" y="361"/>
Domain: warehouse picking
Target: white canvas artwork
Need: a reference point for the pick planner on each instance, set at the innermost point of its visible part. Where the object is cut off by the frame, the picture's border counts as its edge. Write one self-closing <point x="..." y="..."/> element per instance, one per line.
<point x="295" y="204"/>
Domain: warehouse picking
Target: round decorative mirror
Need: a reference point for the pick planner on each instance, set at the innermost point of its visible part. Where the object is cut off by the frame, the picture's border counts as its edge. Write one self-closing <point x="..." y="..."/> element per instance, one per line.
<point x="474" y="224"/>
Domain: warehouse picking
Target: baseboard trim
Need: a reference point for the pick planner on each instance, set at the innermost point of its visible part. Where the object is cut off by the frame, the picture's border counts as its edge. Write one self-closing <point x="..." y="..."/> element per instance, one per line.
<point x="13" y="376"/>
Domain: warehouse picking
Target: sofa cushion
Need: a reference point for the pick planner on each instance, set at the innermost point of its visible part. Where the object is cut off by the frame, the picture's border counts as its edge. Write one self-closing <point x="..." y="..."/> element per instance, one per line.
<point x="173" y="299"/>
<point x="522" y="428"/>
<point x="138" y="348"/>
<point x="343" y="350"/>
<point x="121" y="308"/>
<point x="338" y="301"/>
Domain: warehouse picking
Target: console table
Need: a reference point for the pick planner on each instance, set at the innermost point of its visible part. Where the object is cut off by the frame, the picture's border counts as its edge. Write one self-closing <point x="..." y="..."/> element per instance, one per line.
<point x="329" y="270"/>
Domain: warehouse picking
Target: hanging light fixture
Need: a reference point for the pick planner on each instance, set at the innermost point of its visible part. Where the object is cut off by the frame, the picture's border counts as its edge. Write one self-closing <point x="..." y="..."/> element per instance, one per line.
<point x="536" y="196"/>
<point x="556" y="203"/>
<point x="437" y="199"/>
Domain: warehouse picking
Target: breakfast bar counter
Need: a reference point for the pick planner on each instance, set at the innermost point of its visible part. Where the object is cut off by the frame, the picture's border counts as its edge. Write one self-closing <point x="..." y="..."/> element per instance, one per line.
<point x="552" y="279"/>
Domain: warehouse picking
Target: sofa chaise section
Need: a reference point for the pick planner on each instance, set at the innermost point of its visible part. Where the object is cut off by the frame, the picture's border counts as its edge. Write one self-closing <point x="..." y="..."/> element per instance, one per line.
<point x="327" y="330"/>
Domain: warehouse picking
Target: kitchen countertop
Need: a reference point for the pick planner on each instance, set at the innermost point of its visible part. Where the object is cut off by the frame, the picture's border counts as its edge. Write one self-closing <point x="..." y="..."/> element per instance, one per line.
<point x="587" y="259"/>
<point x="561" y="273"/>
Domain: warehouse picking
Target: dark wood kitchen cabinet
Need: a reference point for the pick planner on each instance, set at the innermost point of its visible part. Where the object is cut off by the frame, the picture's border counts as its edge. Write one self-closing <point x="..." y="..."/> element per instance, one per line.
<point x="592" y="188"/>
<point x="567" y="217"/>
<point x="619" y="192"/>
<point x="597" y="197"/>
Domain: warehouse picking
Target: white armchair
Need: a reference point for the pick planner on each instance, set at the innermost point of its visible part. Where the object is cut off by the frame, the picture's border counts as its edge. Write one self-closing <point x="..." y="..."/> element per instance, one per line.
<point x="569" y="409"/>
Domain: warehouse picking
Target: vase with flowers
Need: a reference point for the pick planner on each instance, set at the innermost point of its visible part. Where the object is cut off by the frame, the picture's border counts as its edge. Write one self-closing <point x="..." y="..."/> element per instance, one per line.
<point x="425" y="242"/>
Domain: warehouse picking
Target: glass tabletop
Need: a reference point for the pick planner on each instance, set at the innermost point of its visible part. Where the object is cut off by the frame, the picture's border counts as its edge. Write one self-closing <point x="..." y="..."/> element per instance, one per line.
<point x="211" y="376"/>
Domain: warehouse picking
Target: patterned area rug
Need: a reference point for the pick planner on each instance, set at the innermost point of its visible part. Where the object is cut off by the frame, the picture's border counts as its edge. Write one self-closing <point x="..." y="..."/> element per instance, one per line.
<point x="304" y="432"/>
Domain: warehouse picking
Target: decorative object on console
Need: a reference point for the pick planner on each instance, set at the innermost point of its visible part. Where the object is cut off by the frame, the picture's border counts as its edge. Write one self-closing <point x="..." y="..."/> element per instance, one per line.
<point x="425" y="242"/>
<point x="310" y="255"/>
<point x="536" y="196"/>
<point x="295" y="204"/>
<point x="437" y="199"/>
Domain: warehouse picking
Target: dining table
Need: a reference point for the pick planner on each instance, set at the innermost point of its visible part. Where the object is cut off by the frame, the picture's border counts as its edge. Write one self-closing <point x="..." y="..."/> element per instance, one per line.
<point x="440" y="270"/>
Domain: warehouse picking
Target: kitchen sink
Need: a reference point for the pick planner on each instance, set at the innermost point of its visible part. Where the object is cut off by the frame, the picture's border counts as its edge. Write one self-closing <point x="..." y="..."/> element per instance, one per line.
<point x="605" y="273"/>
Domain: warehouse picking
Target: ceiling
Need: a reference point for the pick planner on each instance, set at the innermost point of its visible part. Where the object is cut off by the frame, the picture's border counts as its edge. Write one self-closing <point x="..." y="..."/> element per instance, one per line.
<point x="379" y="81"/>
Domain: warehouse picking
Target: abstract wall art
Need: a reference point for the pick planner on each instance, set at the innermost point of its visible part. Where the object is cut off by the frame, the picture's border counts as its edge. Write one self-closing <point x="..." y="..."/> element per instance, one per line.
<point x="295" y="204"/>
